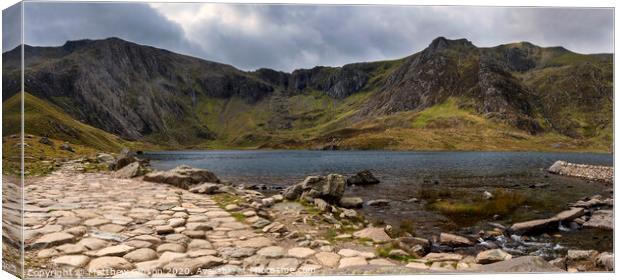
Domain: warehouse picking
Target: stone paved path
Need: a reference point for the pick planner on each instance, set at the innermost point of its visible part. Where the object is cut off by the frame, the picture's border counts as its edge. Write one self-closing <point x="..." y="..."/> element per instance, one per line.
<point x="90" y="224"/>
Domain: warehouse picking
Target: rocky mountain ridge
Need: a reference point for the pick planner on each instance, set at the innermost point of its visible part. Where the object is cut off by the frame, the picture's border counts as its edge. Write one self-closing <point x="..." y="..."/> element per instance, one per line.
<point x="144" y="93"/>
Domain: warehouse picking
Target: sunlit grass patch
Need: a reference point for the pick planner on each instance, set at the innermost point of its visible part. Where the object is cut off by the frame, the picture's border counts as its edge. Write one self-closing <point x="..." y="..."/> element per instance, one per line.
<point x="502" y="203"/>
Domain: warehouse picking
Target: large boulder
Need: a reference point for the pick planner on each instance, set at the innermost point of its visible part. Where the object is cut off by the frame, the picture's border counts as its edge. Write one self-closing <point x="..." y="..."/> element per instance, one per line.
<point x="134" y="169"/>
<point x="125" y="157"/>
<point x="329" y="188"/>
<point x="182" y="176"/>
<point x="520" y="264"/>
<point x="363" y="178"/>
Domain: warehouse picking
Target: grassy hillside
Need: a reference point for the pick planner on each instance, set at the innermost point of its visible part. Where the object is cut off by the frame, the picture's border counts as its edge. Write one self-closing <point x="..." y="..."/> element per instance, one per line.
<point x="45" y="119"/>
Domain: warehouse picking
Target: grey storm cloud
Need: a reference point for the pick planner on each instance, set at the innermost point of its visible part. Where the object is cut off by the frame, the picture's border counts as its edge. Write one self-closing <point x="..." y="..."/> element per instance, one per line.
<point x="287" y="37"/>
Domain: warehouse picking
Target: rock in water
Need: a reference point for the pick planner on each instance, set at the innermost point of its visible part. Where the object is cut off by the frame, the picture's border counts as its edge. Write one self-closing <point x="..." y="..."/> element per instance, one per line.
<point x="329" y="188"/>
<point x="378" y="202"/>
<point x="182" y="176"/>
<point x="351" y="202"/>
<point x="363" y="178"/>
<point x="602" y="219"/>
<point x="454" y="240"/>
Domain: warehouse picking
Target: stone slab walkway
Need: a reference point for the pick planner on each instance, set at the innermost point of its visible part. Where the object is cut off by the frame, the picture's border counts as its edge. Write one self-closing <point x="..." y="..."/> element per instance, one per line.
<point x="91" y="224"/>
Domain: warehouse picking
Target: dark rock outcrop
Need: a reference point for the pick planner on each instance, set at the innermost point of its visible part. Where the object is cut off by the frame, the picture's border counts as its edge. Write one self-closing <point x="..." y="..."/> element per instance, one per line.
<point x="363" y="178"/>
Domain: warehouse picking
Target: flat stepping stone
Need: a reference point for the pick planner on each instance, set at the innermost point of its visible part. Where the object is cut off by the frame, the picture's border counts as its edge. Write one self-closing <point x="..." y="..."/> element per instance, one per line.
<point x="198" y="226"/>
<point x="138" y="244"/>
<point x="47" y="253"/>
<point x="381" y="262"/>
<point x="255" y="242"/>
<point x="71" y="260"/>
<point x="71" y="249"/>
<point x="186" y="267"/>
<point x="177" y="238"/>
<point x="201" y="253"/>
<point x="282" y="266"/>
<point x="118" y="237"/>
<point x="300" y="252"/>
<point x="93" y="243"/>
<point x="131" y="274"/>
<point x="117" y="250"/>
<point x="69" y="221"/>
<point x="96" y="222"/>
<point x="148" y="238"/>
<point x="112" y="228"/>
<point x="195" y="233"/>
<point x="141" y="255"/>
<point x="217" y="214"/>
<point x="167" y="257"/>
<point x="271" y="252"/>
<point x="352" y="261"/>
<point x="171" y="247"/>
<point x="105" y="266"/>
<point x="199" y="244"/>
<point x="235" y="252"/>
<point x="52" y="239"/>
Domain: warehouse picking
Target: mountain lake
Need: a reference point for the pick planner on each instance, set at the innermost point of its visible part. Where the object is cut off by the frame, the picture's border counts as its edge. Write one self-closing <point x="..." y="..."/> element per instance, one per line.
<point x="414" y="182"/>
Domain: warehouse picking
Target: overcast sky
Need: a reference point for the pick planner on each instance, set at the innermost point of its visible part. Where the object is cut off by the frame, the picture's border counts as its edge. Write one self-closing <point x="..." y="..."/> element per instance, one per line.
<point x="286" y="37"/>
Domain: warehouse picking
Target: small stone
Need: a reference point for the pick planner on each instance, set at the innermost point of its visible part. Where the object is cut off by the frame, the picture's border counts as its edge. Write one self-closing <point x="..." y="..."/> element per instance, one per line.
<point x="398" y="253"/>
<point x="232" y="207"/>
<point x="164" y="229"/>
<point x="176" y="222"/>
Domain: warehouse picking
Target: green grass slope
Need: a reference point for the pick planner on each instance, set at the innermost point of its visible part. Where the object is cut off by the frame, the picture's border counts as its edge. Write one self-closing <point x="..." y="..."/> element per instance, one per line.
<point x="44" y="119"/>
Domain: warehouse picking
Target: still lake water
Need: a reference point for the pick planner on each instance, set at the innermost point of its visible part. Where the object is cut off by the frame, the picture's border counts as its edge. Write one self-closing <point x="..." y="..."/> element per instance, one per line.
<point x="404" y="174"/>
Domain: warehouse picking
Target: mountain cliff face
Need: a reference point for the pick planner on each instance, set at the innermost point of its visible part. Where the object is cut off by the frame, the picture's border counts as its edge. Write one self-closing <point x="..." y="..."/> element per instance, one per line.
<point x="143" y="93"/>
